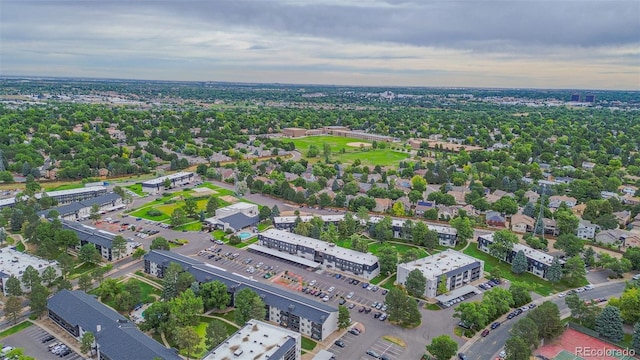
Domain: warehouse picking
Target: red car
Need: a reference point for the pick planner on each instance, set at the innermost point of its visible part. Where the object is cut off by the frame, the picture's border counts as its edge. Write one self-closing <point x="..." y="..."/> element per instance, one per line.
<point x="485" y="333"/>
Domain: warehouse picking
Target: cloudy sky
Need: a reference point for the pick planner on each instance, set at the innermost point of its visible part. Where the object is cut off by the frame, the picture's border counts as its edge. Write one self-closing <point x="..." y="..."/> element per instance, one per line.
<point x="591" y="44"/>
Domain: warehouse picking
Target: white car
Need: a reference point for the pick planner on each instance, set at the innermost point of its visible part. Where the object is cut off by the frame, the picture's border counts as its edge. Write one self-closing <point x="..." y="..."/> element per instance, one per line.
<point x="331" y="289"/>
<point x="588" y="287"/>
<point x="636" y="277"/>
<point x="562" y="294"/>
<point x="350" y="295"/>
<point x="579" y="290"/>
<point x="313" y="282"/>
<point x="502" y="354"/>
<point x="325" y="298"/>
<point x="524" y="308"/>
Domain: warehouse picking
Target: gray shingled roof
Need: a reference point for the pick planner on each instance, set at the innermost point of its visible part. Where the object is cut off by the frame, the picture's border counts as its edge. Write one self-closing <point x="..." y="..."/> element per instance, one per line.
<point x="89" y="234"/>
<point x="75" y="207"/>
<point x="273" y="296"/>
<point x="240" y="221"/>
<point x="118" y="338"/>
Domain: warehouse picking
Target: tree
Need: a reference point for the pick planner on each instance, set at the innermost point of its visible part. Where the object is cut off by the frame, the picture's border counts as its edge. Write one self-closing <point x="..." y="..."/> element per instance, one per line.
<point x="134" y="289"/>
<point x="388" y="258"/>
<point x="609" y="324"/>
<point x="503" y="241"/>
<point x="629" y="305"/>
<point x="382" y="230"/>
<point x="178" y="217"/>
<point x="38" y="299"/>
<point x="498" y="301"/>
<point x="49" y="275"/>
<point x="166" y="183"/>
<point x="589" y="256"/>
<point x="170" y="289"/>
<point x="526" y="330"/>
<point x="506" y="205"/>
<point x="566" y="222"/>
<point x="185" y="308"/>
<point x="358" y="243"/>
<point x="397" y="209"/>
<point x="89" y="254"/>
<point x="190" y="206"/>
<point x="474" y="314"/>
<point x="95" y="212"/>
<point x="275" y="212"/>
<point x="554" y="273"/>
<point x="442" y="347"/>
<point x="570" y="244"/>
<point x="442" y="285"/>
<point x="410" y="255"/>
<point x="64" y="284"/>
<point x="517" y="348"/>
<point x="418" y="183"/>
<point x="184" y="281"/>
<point x="636" y="337"/>
<point x="633" y="255"/>
<point x="12" y="308"/>
<point x="520" y="293"/>
<point x="98" y="274"/>
<point x="464" y="228"/>
<point x="86" y="342"/>
<point x="187" y="338"/>
<point x="138" y="253"/>
<point x="118" y="247"/>
<point x="416" y="283"/>
<point x="618" y="266"/>
<point x="216" y="333"/>
<point x="547" y="317"/>
<point x="574" y="272"/>
<point x="66" y="263"/>
<point x="265" y="213"/>
<point x="212" y="205"/>
<point x="248" y="306"/>
<point x="159" y="243"/>
<point x="519" y="264"/>
<point x="31" y="277"/>
<point x="402" y="309"/>
<point x="85" y="282"/>
<point x="215" y="295"/>
<point x="344" y="318"/>
<point x="584" y="314"/>
<point x="13" y="286"/>
<point x="108" y="289"/>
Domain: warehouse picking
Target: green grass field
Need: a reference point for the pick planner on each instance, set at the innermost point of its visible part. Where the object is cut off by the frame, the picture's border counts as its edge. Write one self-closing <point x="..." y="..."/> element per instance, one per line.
<point x="192" y="226"/>
<point x="538" y="285"/>
<point x="308" y="344"/>
<point x="15" y="329"/>
<point x="201" y="329"/>
<point x="402" y="248"/>
<point x="66" y="187"/>
<point x="136" y="189"/>
<point x="367" y="156"/>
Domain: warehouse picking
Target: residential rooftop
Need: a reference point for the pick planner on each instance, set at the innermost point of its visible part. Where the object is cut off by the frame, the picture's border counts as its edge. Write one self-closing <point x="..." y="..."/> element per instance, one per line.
<point x="398" y="223"/>
<point x="161" y="179"/>
<point x="319" y="245"/>
<point x="257" y="340"/>
<point x="437" y="264"/>
<point x="528" y="251"/>
<point x="13" y="262"/>
<point x="56" y="194"/>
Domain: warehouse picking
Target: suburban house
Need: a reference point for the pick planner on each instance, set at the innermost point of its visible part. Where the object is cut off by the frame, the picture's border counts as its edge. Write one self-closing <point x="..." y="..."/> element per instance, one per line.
<point x="288" y="309"/>
<point x="115" y="336"/>
<point x="623" y="217"/>
<point x="522" y="223"/>
<point x="556" y="200"/>
<point x="495" y="219"/>
<point x="617" y="237"/>
<point x="457" y="268"/>
<point x="587" y="230"/>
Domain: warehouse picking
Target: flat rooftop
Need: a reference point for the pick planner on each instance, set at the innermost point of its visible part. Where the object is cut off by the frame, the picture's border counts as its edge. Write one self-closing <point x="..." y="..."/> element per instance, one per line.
<point x="237" y="206"/>
<point x="307" y="218"/>
<point x="437" y="264"/>
<point x="14" y="262"/>
<point x="319" y="245"/>
<point x="160" y="179"/>
<point x="257" y="340"/>
<point x="400" y="223"/>
<point x="75" y="191"/>
<point x="528" y="251"/>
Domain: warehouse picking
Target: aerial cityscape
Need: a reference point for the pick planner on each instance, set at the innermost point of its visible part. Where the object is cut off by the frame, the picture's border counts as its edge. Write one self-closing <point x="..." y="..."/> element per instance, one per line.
<point x="292" y="180"/>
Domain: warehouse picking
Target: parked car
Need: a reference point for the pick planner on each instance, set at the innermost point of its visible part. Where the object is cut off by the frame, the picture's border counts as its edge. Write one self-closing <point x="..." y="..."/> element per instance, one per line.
<point x="385" y="291"/>
<point x="331" y="289"/>
<point x="365" y="285"/>
<point x="383" y="317"/>
<point x="351" y="305"/>
<point x="362" y="309"/>
<point x="367" y="310"/>
<point x="462" y="356"/>
<point x="350" y="295"/>
<point x="495" y="325"/>
<point x="588" y="287"/>
<point x="312" y="283"/>
<point x="373" y="353"/>
<point x="325" y="298"/>
<point x="377" y="315"/>
<point x="484" y="333"/>
<point x="354" y="331"/>
<point x="562" y="294"/>
<point x="339" y="343"/>
<point x="532" y="305"/>
<point x="342" y="302"/>
<point x="338" y="276"/>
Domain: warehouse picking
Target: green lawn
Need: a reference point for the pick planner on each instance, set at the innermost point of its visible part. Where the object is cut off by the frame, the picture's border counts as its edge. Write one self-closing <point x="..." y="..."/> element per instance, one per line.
<point x="192" y="226"/>
<point x="20" y="247"/>
<point x="229" y="315"/>
<point x="136" y="189"/>
<point x="432" y="307"/>
<point x="376" y="280"/>
<point x="221" y="191"/>
<point x="308" y="344"/>
<point x="367" y="156"/>
<point x="402" y="248"/>
<point x="246" y="243"/>
<point x="218" y="234"/>
<point x="538" y="285"/>
<point x="389" y="284"/>
<point x="201" y="329"/>
<point x="147" y="291"/>
<point x="65" y="187"/>
<point x="81" y="269"/>
<point x="15" y="329"/>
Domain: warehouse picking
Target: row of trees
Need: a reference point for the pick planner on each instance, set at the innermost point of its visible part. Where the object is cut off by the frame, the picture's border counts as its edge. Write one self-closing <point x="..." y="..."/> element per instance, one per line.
<point x="540" y="323"/>
<point x="496" y="302"/>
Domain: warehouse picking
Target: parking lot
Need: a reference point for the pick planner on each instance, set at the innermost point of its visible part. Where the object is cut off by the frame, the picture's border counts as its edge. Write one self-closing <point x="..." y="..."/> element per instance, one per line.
<point x="31" y="340"/>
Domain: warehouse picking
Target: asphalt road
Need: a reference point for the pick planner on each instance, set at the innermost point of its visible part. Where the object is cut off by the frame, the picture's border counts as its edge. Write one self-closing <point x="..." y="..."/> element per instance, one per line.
<point x="490" y="346"/>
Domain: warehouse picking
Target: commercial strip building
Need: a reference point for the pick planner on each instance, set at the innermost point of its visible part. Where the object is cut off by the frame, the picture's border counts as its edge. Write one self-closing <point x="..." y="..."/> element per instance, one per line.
<point x="156" y="185"/>
<point x="101" y="239"/>
<point x="447" y="236"/>
<point x="259" y="340"/>
<point x="321" y="252"/>
<point x="454" y="267"/>
<point x="287" y="309"/>
<point x="64" y="196"/>
<point x="234" y="217"/>
<point x="81" y="210"/>
<point x="537" y="261"/>
<point x="116" y="337"/>
<point x="13" y="262"/>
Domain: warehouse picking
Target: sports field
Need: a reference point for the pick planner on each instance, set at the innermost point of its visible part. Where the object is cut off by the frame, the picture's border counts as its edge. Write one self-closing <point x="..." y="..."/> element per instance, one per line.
<point x="347" y="150"/>
<point x="575" y="345"/>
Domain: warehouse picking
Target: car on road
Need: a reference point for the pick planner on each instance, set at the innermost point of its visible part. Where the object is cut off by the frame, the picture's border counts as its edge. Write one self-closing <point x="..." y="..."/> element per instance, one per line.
<point x="562" y="294"/>
<point x="350" y="295"/>
<point x="495" y="325"/>
<point x="636" y="277"/>
<point x="485" y="333"/>
<point x="588" y="287"/>
<point x="373" y="353"/>
<point x="339" y="343"/>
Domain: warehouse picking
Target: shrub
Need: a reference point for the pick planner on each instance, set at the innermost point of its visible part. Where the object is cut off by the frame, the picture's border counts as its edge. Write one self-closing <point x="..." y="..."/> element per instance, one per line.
<point x="154" y="212"/>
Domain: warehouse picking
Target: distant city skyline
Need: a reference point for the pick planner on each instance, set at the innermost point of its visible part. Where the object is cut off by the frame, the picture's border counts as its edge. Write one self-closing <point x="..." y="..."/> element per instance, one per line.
<point x="563" y="44"/>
